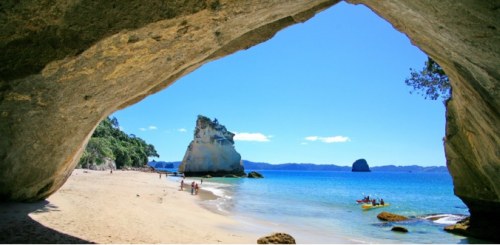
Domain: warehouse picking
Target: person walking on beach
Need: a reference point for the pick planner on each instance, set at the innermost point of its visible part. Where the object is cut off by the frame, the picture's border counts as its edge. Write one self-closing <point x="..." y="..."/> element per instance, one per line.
<point x="182" y="185"/>
<point x="192" y="188"/>
<point x="196" y="188"/>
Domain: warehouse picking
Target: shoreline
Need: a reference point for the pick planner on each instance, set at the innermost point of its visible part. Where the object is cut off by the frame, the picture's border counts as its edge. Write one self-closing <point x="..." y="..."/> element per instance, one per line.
<point x="137" y="207"/>
<point x="261" y="226"/>
<point x="122" y="207"/>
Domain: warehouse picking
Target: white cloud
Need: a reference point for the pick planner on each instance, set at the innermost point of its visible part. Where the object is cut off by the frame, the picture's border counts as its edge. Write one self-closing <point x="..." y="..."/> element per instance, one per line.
<point x="259" y="137"/>
<point x="151" y="127"/>
<point x="331" y="139"/>
<point x="182" y="130"/>
<point x="312" y="138"/>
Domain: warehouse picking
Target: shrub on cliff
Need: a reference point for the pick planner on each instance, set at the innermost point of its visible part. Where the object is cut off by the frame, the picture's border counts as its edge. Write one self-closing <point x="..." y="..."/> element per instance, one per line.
<point x="108" y="141"/>
<point x="431" y="81"/>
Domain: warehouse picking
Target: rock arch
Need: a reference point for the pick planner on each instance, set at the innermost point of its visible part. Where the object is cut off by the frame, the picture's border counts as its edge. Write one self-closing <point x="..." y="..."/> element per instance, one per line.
<point x="66" y="65"/>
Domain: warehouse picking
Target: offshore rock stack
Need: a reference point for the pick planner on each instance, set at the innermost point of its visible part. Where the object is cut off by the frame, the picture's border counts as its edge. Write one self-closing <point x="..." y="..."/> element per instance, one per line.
<point x="360" y="165"/>
<point x="211" y="152"/>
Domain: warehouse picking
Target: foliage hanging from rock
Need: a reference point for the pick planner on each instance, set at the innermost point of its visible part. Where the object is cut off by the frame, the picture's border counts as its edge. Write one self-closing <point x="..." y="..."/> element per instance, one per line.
<point x="431" y="81"/>
<point x="108" y="141"/>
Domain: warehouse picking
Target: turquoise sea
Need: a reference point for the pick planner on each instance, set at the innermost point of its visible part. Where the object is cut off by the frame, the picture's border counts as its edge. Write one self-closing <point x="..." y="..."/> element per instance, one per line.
<point x="320" y="206"/>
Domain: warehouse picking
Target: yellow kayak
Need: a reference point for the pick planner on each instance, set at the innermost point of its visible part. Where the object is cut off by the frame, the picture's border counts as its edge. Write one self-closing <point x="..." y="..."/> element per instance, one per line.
<point x="370" y="206"/>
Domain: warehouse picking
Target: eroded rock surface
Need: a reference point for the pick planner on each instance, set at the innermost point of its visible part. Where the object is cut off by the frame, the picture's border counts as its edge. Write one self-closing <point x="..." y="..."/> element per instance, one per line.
<point x="68" y="64"/>
<point x="211" y="152"/>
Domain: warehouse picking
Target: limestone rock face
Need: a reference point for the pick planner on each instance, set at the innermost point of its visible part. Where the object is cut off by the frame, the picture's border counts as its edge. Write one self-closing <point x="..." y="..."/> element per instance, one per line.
<point x="108" y="164"/>
<point x="360" y="165"/>
<point x="211" y="151"/>
<point x="66" y="65"/>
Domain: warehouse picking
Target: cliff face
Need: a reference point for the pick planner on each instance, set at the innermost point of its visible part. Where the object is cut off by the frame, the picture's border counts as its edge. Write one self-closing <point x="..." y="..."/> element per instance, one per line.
<point x="72" y="63"/>
<point x="211" y="151"/>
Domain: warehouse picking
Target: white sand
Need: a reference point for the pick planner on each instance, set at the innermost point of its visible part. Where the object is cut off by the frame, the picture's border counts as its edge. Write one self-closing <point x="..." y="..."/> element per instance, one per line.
<point x="135" y="207"/>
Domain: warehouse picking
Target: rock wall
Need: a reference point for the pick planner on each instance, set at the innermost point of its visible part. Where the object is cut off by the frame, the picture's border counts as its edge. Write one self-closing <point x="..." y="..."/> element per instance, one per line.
<point x="211" y="151"/>
<point x="108" y="164"/>
<point x="68" y="64"/>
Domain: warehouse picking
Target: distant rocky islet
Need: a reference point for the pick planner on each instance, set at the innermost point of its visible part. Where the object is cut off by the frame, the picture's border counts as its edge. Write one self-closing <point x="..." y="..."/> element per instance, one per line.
<point x="360" y="165"/>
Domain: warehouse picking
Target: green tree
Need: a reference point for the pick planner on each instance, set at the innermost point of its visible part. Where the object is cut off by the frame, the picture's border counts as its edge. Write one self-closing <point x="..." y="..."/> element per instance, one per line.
<point x="108" y="141"/>
<point x="431" y="81"/>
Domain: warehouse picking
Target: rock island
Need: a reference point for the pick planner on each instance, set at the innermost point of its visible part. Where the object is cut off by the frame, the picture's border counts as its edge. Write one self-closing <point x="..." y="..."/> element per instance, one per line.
<point x="211" y="152"/>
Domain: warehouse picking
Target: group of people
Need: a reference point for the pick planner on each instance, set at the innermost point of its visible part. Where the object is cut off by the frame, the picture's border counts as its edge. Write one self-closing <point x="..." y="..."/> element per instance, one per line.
<point x="374" y="202"/>
<point x="194" y="187"/>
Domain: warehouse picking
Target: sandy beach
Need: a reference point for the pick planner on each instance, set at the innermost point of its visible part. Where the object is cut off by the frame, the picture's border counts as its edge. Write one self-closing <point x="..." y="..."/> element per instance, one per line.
<point x="122" y="207"/>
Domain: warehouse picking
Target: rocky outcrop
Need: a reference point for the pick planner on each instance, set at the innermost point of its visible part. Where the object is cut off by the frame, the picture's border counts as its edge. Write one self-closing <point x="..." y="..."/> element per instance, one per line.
<point x="255" y="175"/>
<point x="211" y="152"/>
<point x="360" y="165"/>
<point x="464" y="228"/>
<point x="386" y="216"/>
<point x="72" y="63"/>
<point x="108" y="164"/>
<point x="276" y="238"/>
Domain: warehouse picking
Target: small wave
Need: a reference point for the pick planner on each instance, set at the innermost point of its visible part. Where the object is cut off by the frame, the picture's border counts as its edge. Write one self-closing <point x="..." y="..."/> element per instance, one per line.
<point x="223" y="203"/>
<point x="445" y="219"/>
<point x="216" y="191"/>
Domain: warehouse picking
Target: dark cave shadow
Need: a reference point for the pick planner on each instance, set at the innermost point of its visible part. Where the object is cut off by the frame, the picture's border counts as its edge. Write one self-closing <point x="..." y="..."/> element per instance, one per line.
<point x="17" y="227"/>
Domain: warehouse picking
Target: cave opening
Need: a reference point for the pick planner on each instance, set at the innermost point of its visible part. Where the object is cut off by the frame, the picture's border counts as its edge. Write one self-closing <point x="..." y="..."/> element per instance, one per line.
<point x="331" y="90"/>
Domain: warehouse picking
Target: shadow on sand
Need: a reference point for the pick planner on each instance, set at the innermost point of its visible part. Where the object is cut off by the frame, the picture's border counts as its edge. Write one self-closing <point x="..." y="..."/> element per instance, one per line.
<point x="16" y="226"/>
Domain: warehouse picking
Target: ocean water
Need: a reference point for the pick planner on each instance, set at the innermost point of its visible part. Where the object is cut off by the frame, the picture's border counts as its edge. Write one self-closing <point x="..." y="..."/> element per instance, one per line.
<point x="320" y="206"/>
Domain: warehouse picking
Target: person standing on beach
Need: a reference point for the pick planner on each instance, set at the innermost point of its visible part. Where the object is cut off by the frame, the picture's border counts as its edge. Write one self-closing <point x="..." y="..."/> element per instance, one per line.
<point x="196" y="188"/>
<point x="192" y="188"/>
<point x="182" y="184"/>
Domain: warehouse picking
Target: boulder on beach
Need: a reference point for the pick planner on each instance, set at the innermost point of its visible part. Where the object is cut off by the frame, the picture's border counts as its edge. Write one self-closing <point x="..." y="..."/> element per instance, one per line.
<point x="276" y="238"/>
<point x="255" y="175"/>
<point x="360" y="165"/>
<point x="386" y="216"/>
<point x="211" y="151"/>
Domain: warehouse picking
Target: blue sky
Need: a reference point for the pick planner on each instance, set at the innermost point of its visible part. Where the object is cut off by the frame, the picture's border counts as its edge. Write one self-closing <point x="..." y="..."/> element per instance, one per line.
<point x="327" y="91"/>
